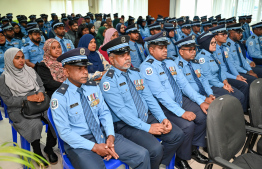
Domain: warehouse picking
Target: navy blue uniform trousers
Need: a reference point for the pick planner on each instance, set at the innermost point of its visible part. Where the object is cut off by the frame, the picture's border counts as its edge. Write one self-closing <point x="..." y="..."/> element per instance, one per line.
<point x="195" y="131"/>
<point x="130" y="153"/>
<point x="160" y="153"/>
<point x="257" y="70"/>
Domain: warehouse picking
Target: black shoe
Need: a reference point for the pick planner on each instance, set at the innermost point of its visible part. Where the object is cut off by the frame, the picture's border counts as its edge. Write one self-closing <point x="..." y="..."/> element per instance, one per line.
<point x="45" y="164"/>
<point x="53" y="159"/>
<point x="205" y="149"/>
<point x="182" y="164"/>
<point x="197" y="156"/>
<point x="247" y="123"/>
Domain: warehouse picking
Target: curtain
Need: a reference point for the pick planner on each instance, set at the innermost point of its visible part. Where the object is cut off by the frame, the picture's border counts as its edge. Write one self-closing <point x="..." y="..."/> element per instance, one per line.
<point x="80" y="7"/>
<point x="58" y="7"/>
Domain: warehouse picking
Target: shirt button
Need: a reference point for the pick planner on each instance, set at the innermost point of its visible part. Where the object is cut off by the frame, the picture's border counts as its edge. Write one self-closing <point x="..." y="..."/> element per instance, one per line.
<point x="76" y="112"/>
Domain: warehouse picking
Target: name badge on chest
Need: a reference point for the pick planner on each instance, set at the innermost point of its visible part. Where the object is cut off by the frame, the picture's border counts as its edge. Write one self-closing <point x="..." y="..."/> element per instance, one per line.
<point x="172" y="70"/>
<point x="139" y="84"/>
<point x="93" y="98"/>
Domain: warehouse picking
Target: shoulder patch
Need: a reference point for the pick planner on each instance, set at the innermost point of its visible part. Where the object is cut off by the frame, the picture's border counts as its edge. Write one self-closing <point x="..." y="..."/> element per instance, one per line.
<point x="54" y="104"/>
<point x="135" y="69"/>
<point x="250" y="43"/>
<point x="253" y="37"/>
<point x="62" y="89"/>
<point x="110" y="73"/>
<point x="195" y="61"/>
<point x="203" y="53"/>
<point x="26" y="44"/>
<point x="169" y="58"/>
<point x="106" y="86"/>
<point x="201" y="60"/>
<point x="90" y="83"/>
<point x="149" y="71"/>
<point x="150" y="61"/>
<point x="228" y="44"/>
<point x="180" y="63"/>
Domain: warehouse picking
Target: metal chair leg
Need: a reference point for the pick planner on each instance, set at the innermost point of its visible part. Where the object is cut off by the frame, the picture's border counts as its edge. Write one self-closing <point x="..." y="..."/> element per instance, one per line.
<point x="247" y="143"/>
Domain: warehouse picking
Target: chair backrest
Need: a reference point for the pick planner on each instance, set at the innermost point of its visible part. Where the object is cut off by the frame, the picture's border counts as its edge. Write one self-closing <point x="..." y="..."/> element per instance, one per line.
<point x="60" y="141"/>
<point x="255" y="100"/>
<point x="225" y="127"/>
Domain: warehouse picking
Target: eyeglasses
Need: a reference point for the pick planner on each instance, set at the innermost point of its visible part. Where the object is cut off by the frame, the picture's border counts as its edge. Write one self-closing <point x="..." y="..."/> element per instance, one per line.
<point x="213" y="43"/>
<point x="190" y="50"/>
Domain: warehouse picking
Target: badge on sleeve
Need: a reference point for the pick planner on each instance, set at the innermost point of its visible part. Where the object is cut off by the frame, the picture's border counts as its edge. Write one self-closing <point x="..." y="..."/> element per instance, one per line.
<point x="250" y="43"/>
<point x="54" y="104"/>
<point x="93" y="98"/>
<point x="106" y="86"/>
<point x="172" y="70"/>
<point x="197" y="72"/>
<point x="226" y="54"/>
<point x="23" y="40"/>
<point x="202" y="60"/>
<point x="139" y="84"/>
<point x="68" y="45"/>
<point x="149" y="71"/>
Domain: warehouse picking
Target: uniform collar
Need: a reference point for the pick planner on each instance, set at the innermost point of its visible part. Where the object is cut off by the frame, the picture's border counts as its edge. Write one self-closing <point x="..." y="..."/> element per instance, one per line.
<point x="255" y="36"/>
<point x="73" y="87"/>
<point x="155" y="60"/>
<point x="131" y="42"/>
<point x="182" y="60"/>
<point x="57" y="38"/>
<point x="118" y="72"/>
<point x="231" y="41"/>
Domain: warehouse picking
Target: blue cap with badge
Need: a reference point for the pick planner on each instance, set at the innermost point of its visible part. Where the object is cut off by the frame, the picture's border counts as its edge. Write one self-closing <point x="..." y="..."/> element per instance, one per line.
<point x="207" y="23"/>
<point x="32" y="16"/>
<point x="155" y="25"/>
<point x="186" y="25"/>
<point x="230" y="20"/>
<point x="205" y="37"/>
<point x="195" y="23"/>
<point x="169" y="26"/>
<point x="203" y="17"/>
<point x="222" y="21"/>
<point x="172" y="20"/>
<point x="257" y="25"/>
<point x="56" y="25"/>
<point x="249" y="16"/>
<point x="132" y="29"/>
<point x="218" y="16"/>
<point x="33" y="29"/>
<point x="242" y="17"/>
<point x="158" y="39"/>
<point x="180" y="19"/>
<point x="235" y="27"/>
<point x="117" y="46"/>
<point x="219" y="29"/>
<point x="188" y="41"/>
<point x="196" y="18"/>
<point x="75" y="57"/>
<point x="8" y="27"/>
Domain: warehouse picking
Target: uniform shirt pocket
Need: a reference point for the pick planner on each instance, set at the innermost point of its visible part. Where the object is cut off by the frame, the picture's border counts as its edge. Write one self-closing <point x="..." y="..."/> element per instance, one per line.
<point x="76" y="115"/>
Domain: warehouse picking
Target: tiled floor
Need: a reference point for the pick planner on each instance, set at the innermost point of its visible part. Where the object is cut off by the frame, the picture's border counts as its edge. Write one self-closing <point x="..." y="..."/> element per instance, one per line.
<point x="6" y="136"/>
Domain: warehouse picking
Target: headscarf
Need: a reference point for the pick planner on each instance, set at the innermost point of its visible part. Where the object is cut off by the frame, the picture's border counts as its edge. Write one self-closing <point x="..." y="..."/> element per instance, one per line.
<point x="204" y="41"/>
<point x="118" y="26"/>
<point x="19" y="81"/>
<point x="80" y="21"/>
<point x="93" y="57"/>
<point x="19" y="34"/>
<point x="115" y="22"/>
<point x="90" y="25"/>
<point x="100" y="34"/>
<point x="102" y="23"/>
<point x="139" y="22"/>
<point x="54" y="66"/>
<point x="108" y="35"/>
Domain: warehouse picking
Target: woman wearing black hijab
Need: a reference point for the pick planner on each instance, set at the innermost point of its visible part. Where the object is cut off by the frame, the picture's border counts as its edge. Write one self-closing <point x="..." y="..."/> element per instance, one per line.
<point x="92" y="29"/>
<point x="17" y="30"/>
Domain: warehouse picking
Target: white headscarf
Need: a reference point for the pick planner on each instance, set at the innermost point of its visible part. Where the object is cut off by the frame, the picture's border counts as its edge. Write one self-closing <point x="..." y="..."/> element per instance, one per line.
<point x="19" y="81"/>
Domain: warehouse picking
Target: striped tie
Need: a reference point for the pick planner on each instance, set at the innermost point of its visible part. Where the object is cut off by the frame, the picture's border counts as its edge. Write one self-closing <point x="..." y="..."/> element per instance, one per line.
<point x="199" y="84"/>
<point x="139" y="54"/>
<point x="177" y="91"/>
<point x="63" y="45"/>
<point x="140" y="107"/>
<point x="90" y="118"/>
<point x="238" y="54"/>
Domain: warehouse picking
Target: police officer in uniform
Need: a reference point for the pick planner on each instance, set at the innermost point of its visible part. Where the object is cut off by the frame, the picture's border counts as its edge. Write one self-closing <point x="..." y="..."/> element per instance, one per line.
<point x="185" y="31"/>
<point x="66" y="44"/>
<point x="203" y="19"/>
<point x="137" y="53"/>
<point x="195" y="28"/>
<point x="153" y="29"/>
<point x="218" y="17"/>
<point x="33" y="50"/>
<point x="32" y="18"/>
<point x="180" y="21"/>
<point x="168" y="85"/>
<point x="23" y="25"/>
<point x="196" y="18"/>
<point x="2" y="51"/>
<point x="84" y="121"/>
<point x="136" y="113"/>
<point x="171" y="48"/>
<point x="206" y="26"/>
<point x="221" y="21"/>
<point x="11" y="41"/>
<point x="54" y="18"/>
<point x="211" y="69"/>
<point x="26" y="38"/>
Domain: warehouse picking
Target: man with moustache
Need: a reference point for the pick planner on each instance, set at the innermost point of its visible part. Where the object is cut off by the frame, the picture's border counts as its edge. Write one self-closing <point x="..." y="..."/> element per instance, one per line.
<point x="9" y="33"/>
<point x="33" y="50"/>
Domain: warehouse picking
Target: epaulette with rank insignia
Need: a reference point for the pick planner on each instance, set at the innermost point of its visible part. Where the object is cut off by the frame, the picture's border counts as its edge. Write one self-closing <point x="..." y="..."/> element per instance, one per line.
<point x="253" y="37"/>
<point x="180" y="63"/>
<point x="90" y="83"/>
<point x="168" y="58"/>
<point x="135" y="69"/>
<point x="150" y="61"/>
<point x="203" y="53"/>
<point x="17" y="38"/>
<point x="25" y="36"/>
<point x="62" y="89"/>
<point x="229" y="44"/>
<point x="110" y="73"/>
<point x="26" y="44"/>
<point x="195" y="61"/>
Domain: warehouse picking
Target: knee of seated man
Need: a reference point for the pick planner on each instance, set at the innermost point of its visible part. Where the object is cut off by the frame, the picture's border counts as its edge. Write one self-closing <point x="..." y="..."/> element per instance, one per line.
<point x="142" y="154"/>
<point x="177" y="135"/>
<point x="156" y="150"/>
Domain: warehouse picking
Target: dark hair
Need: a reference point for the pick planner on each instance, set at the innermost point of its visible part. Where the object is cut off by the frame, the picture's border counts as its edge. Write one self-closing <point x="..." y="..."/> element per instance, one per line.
<point x="72" y="22"/>
<point x="80" y="29"/>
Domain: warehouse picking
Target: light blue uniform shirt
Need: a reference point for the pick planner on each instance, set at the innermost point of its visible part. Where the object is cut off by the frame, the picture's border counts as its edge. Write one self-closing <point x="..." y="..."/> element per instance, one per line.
<point x="253" y="46"/>
<point x="233" y="50"/>
<point x="118" y="97"/>
<point x="26" y="39"/>
<point x="33" y="52"/>
<point x="172" y="49"/>
<point x="159" y="84"/>
<point x="69" y="117"/>
<point x="135" y="59"/>
<point x="23" y="30"/>
<point x="15" y="42"/>
<point x="246" y="33"/>
<point x="144" y="31"/>
<point x="67" y="42"/>
<point x="182" y="64"/>
<point x="181" y="36"/>
<point x="234" y="73"/>
<point x="2" y="61"/>
<point x="210" y="68"/>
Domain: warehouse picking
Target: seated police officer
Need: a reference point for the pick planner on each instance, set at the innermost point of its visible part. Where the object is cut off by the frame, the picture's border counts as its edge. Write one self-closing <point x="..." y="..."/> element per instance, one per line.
<point x="171" y="48"/>
<point x="254" y="44"/>
<point x="9" y="33"/>
<point x="154" y="28"/>
<point x="168" y="84"/>
<point x="33" y="50"/>
<point x="66" y="44"/>
<point x="84" y="122"/>
<point x="185" y="31"/>
<point x="137" y="53"/>
<point x="136" y="113"/>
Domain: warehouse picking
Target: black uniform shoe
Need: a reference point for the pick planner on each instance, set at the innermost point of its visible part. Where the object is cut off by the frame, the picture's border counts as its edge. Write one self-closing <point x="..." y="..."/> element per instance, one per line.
<point x="53" y="159"/>
<point x="182" y="164"/>
<point x="197" y="156"/>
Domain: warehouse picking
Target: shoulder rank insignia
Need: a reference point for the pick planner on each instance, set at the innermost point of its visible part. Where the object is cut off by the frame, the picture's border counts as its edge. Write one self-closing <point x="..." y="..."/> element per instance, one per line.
<point x="90" y="83"/>
<point x="203" y="53"/>
<point x="26" y="44"/>
<point x="180" y="63"/>
<point x="150" y="61"/>
<point x="110" y="73"/>
<point x="195" y="61"/>
<point x="62" y="89"/>
<point x="228" y="43"/>
<point x="135" y="69"/>
<point x="169" y="58"/>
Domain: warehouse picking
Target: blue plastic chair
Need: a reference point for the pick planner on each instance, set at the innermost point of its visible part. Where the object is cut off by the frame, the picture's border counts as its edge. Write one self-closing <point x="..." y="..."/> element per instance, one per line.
<point x="111" y="164"/>
<point x="4" y="106"/>
<point x="172" y="162"/>
<point x="1" y="117"/>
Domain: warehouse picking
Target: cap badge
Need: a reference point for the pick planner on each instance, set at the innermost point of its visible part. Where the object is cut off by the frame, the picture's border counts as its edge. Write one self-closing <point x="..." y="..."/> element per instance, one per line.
<point x="82" y="51"/>
<point x="123" y="39"/>
<point x="193" y="37"/>
<point x="164" y="33"/>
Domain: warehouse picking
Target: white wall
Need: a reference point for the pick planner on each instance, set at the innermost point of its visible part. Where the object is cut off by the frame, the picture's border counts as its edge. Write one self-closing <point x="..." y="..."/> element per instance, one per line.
<point x="25" y="7"/>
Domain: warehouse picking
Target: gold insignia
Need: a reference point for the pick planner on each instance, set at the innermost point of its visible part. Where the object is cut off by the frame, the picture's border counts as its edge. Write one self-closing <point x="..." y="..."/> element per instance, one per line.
<point x="123" y="39"/>
<point x="82" y="51"/>
<point x="193" y="37"/>
<point x="164" y="33"/>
